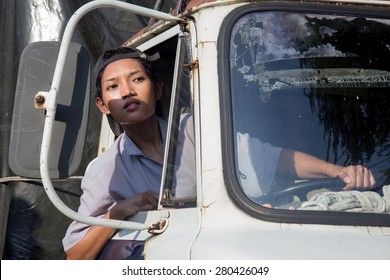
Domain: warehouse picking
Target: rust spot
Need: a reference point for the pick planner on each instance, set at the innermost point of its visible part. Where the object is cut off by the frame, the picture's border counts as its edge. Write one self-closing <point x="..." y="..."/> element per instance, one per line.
<point x="195" y="3"/>
<point x="192" y="65"/>
<point x="158" y="227"/>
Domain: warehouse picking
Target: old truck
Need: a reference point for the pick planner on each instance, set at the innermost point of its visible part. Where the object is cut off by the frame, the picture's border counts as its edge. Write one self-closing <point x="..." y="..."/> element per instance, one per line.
<point x="312" y="76"/>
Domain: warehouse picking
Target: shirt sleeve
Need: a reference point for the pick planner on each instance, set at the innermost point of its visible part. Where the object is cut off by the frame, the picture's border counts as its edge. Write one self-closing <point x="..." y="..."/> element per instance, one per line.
<point x="94" y="202"/>
<point x="257" y="164"/>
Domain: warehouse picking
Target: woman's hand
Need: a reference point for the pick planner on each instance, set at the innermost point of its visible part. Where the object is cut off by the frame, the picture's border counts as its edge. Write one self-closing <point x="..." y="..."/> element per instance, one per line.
<point x="356" y="177"/>
<point x="144" y="201"/>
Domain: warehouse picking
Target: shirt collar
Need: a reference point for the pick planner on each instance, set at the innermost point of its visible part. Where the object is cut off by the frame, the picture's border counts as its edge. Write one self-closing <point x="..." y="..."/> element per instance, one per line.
<point x="133" y="150"/>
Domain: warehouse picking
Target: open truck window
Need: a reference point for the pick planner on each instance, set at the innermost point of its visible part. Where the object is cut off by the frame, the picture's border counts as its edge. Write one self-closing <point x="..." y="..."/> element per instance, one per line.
<point x="318" y="83"/>
<point x="178" y="180"/>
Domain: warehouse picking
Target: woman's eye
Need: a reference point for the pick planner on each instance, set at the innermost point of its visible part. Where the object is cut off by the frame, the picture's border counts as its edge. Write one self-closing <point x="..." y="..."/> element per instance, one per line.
<point x="138" y="79"/>
<point x="111" y="87"/>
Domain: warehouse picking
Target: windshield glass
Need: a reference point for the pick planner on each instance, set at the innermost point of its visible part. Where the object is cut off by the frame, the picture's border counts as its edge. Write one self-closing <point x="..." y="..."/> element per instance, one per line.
<point x="319" y="85"/>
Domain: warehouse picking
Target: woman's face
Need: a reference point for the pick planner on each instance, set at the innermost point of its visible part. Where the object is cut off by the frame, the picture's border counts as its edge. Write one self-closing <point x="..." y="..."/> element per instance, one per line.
<point x="128" y="93"/>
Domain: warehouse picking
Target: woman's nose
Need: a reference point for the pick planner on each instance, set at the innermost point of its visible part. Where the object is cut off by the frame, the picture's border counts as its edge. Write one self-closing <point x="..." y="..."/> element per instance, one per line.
<point x="127" y="90"/>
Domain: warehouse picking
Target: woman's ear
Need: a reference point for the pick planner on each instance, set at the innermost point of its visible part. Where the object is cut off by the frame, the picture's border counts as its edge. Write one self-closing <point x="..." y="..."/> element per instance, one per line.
<point x="102" y="107"/>
<point x="159" y="89"/>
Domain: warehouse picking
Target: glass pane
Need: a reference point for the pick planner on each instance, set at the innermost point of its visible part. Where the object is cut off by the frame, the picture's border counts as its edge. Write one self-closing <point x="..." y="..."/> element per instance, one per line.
<point x="317" y="84"/>
<point x="179" y="181"/>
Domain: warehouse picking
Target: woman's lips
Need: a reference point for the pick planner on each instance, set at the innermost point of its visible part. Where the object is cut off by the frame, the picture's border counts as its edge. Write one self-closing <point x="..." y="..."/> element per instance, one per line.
<point x="131" y="105"/>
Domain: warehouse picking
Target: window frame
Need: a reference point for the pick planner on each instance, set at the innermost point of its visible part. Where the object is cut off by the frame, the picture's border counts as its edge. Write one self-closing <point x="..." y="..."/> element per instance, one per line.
<point x="233" y="186"/>
<point x="182" y="56"/>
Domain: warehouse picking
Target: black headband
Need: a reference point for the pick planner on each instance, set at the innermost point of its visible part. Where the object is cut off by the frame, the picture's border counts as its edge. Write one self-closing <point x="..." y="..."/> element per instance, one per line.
<point x="133" y="53"/>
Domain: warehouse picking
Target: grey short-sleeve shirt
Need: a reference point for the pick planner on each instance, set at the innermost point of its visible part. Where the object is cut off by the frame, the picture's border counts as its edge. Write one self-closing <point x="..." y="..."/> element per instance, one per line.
<point x="257" y="163"/>
<point x="123" y="171"/>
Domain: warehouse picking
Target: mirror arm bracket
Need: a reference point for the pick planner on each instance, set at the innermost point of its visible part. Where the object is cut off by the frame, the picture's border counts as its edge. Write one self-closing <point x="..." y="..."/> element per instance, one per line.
<point x="48" y="101"/>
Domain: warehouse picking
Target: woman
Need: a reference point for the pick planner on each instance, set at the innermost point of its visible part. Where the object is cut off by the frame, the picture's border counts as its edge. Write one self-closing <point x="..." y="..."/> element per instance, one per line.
<point x="126" y="178"/>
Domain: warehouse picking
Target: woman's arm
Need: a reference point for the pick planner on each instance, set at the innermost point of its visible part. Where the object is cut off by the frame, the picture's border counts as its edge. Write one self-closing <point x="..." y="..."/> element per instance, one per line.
<point x="92" y="243"/>
<point x="300" y="165"/>
<point x="89" y="247"/>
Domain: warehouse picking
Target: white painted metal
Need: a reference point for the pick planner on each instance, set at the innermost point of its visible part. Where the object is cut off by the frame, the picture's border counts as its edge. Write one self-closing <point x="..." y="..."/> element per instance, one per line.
<point x="229" y="233"/>
<point x="107" y="136"/>
<point x="176" y="242"/>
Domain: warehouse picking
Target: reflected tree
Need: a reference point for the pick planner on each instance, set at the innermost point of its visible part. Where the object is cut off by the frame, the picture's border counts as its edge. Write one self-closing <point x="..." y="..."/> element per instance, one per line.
<point x="355" y="119"/>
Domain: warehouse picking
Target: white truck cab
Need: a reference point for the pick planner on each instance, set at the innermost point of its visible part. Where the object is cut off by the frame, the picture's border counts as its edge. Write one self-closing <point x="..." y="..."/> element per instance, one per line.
<point x="312" y="76"/>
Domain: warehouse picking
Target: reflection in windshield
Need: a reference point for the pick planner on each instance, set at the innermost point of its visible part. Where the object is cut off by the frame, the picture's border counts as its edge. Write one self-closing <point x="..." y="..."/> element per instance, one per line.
<point x="312" y="83"/>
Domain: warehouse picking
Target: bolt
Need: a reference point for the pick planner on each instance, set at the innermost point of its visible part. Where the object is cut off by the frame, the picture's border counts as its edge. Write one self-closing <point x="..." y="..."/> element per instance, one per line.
<point x="40" y="99"/>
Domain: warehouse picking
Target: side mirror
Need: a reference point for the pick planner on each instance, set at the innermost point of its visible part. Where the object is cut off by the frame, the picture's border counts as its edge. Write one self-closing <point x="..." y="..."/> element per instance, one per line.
<point x="36" y="69"/>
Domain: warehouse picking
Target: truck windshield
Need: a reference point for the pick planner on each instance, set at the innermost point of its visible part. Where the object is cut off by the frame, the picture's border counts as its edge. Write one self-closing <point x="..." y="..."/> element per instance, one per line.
<point x="314" y="83"/>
